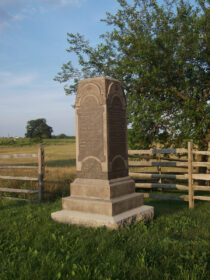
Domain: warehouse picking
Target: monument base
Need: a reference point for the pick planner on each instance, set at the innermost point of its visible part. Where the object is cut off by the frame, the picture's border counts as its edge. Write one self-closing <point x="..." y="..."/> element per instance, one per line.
<point x="142" y="213"/>
<point x="107" y="203"/>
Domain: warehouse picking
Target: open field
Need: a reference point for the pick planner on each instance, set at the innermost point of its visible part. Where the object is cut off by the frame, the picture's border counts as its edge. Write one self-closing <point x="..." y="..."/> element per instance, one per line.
<point x="19" y="142"/>
<point x="60" y="166"/>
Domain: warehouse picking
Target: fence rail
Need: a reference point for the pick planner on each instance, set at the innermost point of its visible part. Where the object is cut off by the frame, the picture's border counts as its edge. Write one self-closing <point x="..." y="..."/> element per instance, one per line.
<point x="39" y="179"/>
<point x="158" y="176"/>
<point x="157" y="151"/>
<point x="18" y="178"/>
<point x="164" y="186"/>
<point x="159" y="163"/>
<point x="18" y="190"/>
<point x="189" y="165"/>
<point x="18" y="156"/>
<point x="17" y="167"/>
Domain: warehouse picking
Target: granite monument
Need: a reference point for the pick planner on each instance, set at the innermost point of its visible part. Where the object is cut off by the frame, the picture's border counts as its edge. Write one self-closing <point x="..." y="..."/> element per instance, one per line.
<point x="102" y="194"/>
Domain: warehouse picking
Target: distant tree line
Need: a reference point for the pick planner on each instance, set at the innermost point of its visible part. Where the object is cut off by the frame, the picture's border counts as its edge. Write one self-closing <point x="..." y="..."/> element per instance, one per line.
<point x="62" y="136"/>
<point x="40" y="129"/>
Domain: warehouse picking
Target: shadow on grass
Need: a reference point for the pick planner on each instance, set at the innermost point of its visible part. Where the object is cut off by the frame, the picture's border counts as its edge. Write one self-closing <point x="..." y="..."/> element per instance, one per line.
<point x="166" y="207"/>
<point x="8" y="204"/>
<point x="61" y="163"/>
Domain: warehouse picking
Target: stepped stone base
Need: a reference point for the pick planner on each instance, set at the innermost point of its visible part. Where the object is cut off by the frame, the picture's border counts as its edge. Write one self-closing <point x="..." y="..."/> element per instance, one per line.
<point x="142" y="213"/>
<point x="109" y="203"/>
<point x="110" y="207"/>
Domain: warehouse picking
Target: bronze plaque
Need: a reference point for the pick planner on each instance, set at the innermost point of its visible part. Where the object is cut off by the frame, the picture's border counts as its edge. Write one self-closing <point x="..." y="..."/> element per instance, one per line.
<point x="90" y="125"/>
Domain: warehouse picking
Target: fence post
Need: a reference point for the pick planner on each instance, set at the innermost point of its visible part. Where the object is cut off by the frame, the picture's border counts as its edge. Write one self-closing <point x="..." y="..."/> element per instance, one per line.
<point x="159" y="169"/>
<point x="208" y="168"/>
<point x="41" y="170"/>
<point x="190" y="185"/>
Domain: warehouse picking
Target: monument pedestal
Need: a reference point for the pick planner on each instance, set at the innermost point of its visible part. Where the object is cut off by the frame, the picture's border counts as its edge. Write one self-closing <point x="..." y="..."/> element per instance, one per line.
<point x="108" y="203"/>
<point x="103" y="194"/>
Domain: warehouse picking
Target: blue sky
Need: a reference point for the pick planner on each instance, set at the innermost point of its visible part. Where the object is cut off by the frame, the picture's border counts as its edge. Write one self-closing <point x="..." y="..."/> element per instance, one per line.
<point x="32" y="50"/>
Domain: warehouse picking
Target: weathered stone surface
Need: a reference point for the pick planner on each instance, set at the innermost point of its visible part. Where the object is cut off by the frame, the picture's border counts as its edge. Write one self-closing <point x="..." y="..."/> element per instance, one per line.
<point x="117" y="131"/>
<point x="142" y="213"/>
<point x="90" y="130"/>
<point x="110" y="207"/>
<point x="102" y="189"/>
<point x="101" y="129"/>
<point x="103" y="194"/>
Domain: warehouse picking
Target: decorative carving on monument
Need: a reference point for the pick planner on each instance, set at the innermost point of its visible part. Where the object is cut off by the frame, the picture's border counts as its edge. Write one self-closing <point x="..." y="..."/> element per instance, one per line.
<point x="91" y="169"/>
<point x="115" y="89"/>
<point x="90" y="89"/>
<point x="118" y="167"/>
<point x="90" y="131"/>
<point x="118" y="164"/>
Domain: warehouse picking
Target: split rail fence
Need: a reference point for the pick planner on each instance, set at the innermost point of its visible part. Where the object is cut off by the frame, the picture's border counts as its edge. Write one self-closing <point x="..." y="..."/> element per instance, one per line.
<point x="186" y="168"/>
<point x="39" y="179"/>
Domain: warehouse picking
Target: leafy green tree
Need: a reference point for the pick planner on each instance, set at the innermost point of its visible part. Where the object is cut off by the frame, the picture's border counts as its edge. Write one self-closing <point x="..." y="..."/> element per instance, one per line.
<point x="38" y="129"/>
<point x="159" y="50"/>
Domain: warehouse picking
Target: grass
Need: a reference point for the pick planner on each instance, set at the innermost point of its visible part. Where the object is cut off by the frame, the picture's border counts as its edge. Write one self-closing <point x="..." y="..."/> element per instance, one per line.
<point x="176" y="245"/>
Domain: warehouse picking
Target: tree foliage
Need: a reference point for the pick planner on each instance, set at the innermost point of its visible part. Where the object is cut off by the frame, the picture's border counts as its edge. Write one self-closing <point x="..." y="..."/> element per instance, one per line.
<point x="38" y="129"/>
<point x="159" y="50"/>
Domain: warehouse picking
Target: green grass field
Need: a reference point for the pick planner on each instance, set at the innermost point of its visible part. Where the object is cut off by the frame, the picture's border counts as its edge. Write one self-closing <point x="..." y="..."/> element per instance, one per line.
<point x="176" y="245"/>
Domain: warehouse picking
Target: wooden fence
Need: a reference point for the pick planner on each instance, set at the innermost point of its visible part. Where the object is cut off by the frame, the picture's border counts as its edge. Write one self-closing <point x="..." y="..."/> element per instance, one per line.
<point x="39" y="179"/>
<point x="189" y="168"/>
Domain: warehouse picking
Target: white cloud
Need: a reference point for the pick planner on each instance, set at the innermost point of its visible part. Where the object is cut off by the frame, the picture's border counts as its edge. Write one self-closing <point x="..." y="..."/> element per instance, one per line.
<point x="8" y="79"/>
<point x="7" y="15"/>
<point x="4" y="18"/>
<point x="30" y="86"/>
<point x="24" y="13"/>
<point x="64" y="2"/>
<point x="17" y="10"/>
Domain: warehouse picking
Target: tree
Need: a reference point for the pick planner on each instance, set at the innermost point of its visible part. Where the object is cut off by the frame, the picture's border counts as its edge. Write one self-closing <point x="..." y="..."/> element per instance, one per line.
<point x="38" y="129"/>
<point x="160" y="53"/>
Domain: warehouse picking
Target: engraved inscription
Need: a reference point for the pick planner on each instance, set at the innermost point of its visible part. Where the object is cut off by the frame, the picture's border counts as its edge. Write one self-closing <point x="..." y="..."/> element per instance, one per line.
<point x="90" y="123"/>
<point x="117" y="129"/>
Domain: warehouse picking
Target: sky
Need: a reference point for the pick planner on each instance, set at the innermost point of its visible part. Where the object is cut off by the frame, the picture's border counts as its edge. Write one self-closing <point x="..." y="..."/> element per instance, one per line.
<point x="33" y="47"/>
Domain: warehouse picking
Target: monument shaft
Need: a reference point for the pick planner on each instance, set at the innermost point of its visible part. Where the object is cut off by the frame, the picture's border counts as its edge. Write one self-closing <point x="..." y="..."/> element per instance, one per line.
<point x="101" y="130"/>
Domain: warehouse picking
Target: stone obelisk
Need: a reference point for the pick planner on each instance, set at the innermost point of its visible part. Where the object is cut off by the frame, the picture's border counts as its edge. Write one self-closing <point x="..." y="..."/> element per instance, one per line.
<point x="102" y="194"/>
